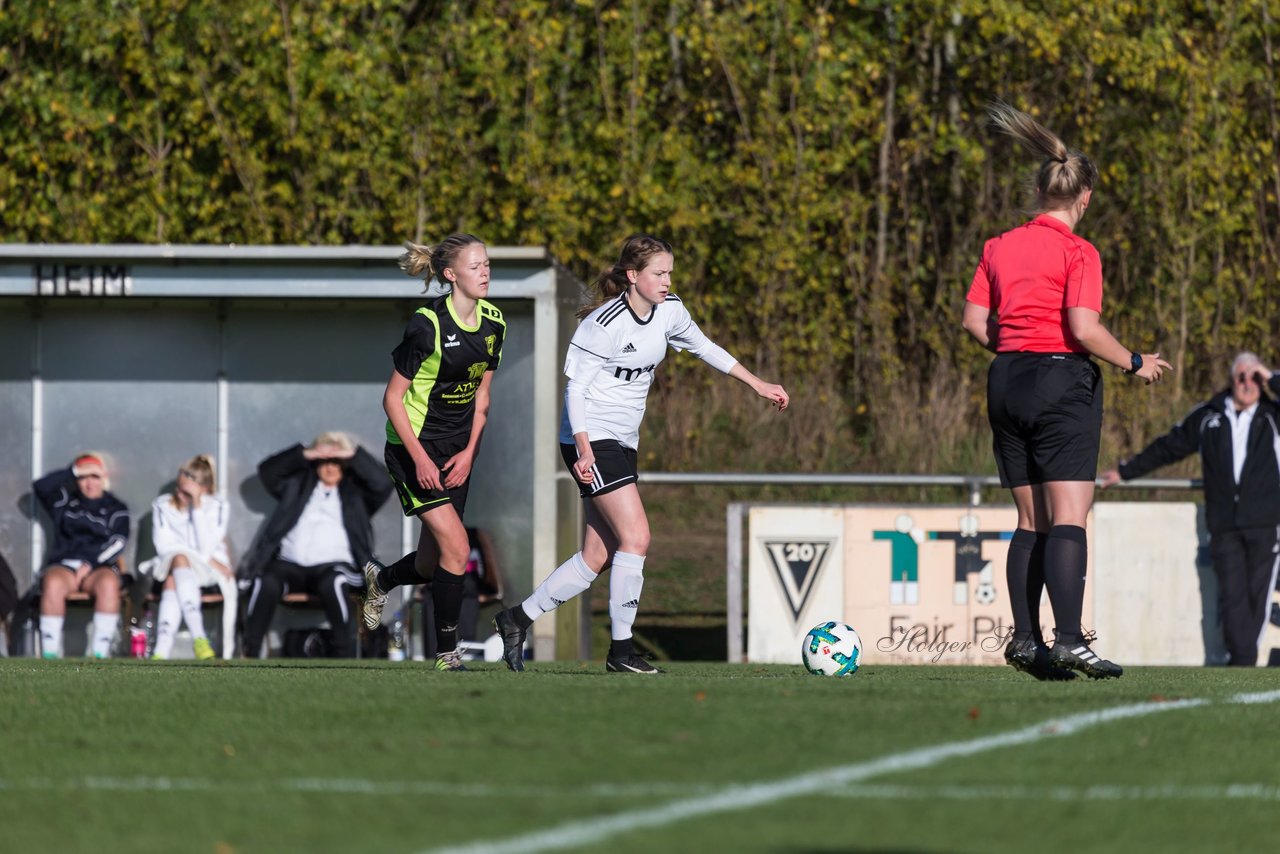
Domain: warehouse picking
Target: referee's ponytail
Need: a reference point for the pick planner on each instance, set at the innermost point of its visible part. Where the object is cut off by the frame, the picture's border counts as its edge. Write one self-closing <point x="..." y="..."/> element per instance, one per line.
<point x="637" y="250"/>
<point x="1065" y="172"/>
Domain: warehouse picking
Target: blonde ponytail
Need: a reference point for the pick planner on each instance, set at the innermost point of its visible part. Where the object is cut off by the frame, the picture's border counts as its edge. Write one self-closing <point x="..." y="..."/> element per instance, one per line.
<point x="1065" y="172"/>
<point x="202" y="469"/>
<point x="421" y="260"/>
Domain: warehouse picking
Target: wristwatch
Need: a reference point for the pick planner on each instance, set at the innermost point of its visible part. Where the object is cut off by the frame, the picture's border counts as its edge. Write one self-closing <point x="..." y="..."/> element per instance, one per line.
<point x="1135" y="363"/>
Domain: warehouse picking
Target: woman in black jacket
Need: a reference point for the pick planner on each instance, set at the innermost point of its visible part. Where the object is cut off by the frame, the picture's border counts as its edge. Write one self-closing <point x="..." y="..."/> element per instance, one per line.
<point x="320" y="531"/>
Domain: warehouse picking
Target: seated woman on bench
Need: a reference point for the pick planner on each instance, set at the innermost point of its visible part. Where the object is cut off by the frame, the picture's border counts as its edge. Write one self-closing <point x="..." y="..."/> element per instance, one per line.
<point x="189" y="529"/>
<point x="90" y="530"/>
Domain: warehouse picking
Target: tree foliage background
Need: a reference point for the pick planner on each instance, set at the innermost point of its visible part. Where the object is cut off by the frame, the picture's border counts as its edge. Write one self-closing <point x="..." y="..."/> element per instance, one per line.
<point x="823" y="168"/>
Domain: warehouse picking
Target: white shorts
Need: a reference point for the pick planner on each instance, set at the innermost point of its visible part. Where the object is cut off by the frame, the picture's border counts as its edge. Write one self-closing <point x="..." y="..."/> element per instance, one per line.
<point x="159" y="567"/>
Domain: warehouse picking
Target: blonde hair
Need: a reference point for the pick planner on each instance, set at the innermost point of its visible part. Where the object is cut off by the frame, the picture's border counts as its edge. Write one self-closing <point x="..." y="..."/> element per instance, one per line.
<point x="428" y="261"/>
<point x="334" y="437"/>
<point x="1065" y="172"/>
<point x="637" y="251"/>
<point x="202" y="470"/>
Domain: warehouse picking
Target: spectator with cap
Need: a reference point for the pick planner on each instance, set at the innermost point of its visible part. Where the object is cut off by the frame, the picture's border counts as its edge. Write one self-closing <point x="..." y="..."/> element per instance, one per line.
<point x="90" y="530"/>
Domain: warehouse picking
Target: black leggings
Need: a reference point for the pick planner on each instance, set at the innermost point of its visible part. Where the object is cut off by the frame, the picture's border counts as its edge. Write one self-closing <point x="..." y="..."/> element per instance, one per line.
<point x="330" y="582"/>
<point x="1245" y="565"/>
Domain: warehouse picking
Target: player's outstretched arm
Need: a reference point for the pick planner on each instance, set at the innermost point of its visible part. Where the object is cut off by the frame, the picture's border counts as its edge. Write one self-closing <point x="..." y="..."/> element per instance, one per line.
<point x="772" y="392"/>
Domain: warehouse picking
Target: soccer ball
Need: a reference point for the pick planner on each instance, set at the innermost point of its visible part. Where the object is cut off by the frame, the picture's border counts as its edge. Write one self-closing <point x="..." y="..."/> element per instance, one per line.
<point x="832" y="649"/>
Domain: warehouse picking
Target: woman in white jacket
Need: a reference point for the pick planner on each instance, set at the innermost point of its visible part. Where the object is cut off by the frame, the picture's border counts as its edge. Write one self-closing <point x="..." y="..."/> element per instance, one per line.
<point x="189" y="529"/>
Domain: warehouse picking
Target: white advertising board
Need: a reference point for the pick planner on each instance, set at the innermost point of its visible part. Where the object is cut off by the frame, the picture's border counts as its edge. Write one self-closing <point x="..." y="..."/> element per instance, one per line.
<point x="795" y="577"/>
<point x="926" y="585"/>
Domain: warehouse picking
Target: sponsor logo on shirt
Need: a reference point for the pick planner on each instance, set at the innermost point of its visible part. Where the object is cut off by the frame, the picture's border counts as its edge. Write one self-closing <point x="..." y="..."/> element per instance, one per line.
<point x="452" y="340"/>
<point x="629" y="374"/>
<point x="630" y="348"/>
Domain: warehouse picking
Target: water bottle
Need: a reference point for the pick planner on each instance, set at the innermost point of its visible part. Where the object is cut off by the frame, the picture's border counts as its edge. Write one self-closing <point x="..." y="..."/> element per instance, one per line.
<point x="137" y="639"/>
<point x="395" y="649"/>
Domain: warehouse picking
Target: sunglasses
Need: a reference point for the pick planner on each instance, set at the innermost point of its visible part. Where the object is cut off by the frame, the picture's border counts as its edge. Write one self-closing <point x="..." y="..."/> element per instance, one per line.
<point x="1244" y="379"/>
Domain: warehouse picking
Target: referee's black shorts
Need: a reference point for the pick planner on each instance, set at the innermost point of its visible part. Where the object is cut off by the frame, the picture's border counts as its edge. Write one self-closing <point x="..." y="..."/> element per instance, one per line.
<point x="1046" y="416"/>
<point x="415" y="499"/>
<point x="614" y="468"/>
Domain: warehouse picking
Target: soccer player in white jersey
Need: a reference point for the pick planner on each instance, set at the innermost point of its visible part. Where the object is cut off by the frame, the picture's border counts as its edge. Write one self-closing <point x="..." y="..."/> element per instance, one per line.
<point x="621" y="340"/>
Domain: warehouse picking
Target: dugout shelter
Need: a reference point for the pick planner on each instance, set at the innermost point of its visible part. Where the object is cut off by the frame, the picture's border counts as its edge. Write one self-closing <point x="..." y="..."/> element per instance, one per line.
<point x="155" y="353"/>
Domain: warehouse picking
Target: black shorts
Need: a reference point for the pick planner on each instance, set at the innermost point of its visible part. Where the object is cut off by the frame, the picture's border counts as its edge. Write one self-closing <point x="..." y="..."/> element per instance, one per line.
<point x="414" y="499"/>
<point x="615" y="466"/>
<point x="1046" y="416"/>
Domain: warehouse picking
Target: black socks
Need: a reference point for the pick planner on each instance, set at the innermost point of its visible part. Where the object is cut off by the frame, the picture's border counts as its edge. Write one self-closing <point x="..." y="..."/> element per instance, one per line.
<point x="1024" y="574"/>
<point x="1066" y="559"/>
<point x="446" y="598"/>
<point x="400" y="572"/>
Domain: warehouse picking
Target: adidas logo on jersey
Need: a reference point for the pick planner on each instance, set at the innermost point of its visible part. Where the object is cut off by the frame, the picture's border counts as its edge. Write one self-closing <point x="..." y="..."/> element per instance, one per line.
<point x="630" y="348"/>
<point x="634" y="603"/>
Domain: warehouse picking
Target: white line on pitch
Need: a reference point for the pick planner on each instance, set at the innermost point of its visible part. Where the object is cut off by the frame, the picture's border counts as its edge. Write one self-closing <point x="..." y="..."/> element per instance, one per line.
<point x="380" y="788"/>
<point x="730" y="799"/>
<point x="1096" y="792"/>
<point x="1263" y="697"/>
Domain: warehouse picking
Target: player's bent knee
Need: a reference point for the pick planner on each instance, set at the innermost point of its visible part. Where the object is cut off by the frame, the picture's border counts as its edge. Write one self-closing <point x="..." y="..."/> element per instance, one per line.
<point x="635" y="544"/>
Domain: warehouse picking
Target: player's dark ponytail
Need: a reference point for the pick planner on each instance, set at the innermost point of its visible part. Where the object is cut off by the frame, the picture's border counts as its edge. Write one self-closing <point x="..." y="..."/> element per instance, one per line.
<point x="636" y="253"/>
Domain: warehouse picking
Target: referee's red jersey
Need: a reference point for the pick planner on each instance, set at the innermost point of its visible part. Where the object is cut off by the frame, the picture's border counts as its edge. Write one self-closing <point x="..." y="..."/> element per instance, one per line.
<point x="1028" y="277"/>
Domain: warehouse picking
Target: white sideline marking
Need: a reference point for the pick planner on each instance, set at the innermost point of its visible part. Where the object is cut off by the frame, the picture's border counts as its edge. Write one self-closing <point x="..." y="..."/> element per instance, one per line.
<point x="1263" y="697"/>
<point x="379" y="788"/>
<point x="733" y="798"/>
<point x="1096" y="792"/>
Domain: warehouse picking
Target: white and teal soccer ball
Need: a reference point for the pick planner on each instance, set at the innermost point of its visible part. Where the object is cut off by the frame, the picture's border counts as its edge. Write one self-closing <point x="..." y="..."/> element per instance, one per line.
<point x="832" y="649"/>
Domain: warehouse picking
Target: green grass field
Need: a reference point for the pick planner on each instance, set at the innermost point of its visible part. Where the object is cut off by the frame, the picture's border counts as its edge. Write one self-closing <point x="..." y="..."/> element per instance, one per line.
<point x="372" y="756"/>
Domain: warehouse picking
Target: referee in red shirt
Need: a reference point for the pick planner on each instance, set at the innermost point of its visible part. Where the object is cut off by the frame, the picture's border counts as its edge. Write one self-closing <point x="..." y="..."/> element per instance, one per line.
<point x="1036" y="302"/>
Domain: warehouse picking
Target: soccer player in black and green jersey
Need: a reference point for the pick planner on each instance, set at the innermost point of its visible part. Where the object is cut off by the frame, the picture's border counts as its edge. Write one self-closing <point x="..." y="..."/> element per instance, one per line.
<point x="437" y="402"/>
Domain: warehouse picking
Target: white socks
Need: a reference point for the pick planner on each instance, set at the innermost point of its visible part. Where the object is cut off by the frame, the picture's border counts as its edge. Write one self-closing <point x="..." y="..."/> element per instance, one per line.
<point x="167" y="624"/>
<point x="104" y="629"/>
<point x="175" y="606"/>
<point x="570" y="578"/>
<point x="626" y="580"/>
<point x="51" y="636"/>
<point x="184" y="579"/>
<point x="101" y="633"/>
